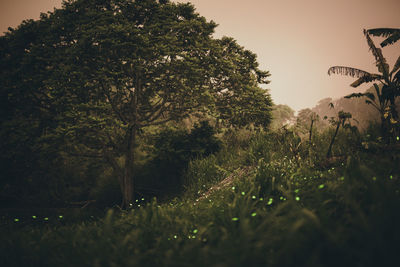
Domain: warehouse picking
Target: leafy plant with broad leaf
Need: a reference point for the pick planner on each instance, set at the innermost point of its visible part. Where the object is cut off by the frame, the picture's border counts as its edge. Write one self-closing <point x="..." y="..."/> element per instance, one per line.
<point x="391" y="35"/>
<point x="380" y="103"/>
<point x="389" y="79"/>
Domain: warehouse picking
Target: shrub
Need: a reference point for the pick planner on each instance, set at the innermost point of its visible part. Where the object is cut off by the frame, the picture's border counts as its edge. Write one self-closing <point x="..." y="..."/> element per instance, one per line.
<point x="201" y="174"/>
<point x="174" y="149"/>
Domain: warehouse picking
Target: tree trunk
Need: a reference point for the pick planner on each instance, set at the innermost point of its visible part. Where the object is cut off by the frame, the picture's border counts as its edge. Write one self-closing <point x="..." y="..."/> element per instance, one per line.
<point x="127" y="179"/>
<point x="310" y="136"/>
<point x="310" y="142"/>
<point x="128" y="175"/>
<point x="393" y="109"/>
<point x="385" y="128"/>
<point x="329" y="154"/>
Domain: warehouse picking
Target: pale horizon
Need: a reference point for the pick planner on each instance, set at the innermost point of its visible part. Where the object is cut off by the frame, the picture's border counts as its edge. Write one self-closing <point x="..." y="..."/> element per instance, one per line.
<point x="296" y="41"/>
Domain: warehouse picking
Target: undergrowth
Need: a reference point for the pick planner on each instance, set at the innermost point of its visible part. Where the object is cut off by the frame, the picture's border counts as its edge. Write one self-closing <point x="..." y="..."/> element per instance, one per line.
<point x="285" y="211"/>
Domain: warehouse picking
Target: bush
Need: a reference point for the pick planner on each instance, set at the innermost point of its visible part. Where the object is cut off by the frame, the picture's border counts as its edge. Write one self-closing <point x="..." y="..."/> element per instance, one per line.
<point x="201" y="174"/>
<point x="173" y="150"/>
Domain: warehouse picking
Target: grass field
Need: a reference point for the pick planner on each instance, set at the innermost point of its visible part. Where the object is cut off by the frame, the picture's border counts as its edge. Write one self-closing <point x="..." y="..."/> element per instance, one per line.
<point x="273" y="210"/>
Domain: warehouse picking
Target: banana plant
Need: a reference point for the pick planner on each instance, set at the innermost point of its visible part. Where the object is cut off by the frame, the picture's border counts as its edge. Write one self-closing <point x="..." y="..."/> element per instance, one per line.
<point x="389" y="79"/>
<point x="391" y="35"/>
<point x="380" y="103"/>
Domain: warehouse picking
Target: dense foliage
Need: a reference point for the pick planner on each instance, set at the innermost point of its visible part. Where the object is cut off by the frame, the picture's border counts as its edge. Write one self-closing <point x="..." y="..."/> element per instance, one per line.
<point x="132" y="137"/>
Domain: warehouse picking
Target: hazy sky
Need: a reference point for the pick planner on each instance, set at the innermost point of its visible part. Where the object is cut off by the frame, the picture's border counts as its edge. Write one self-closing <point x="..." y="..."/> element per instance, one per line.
<point x="296" y="40"/>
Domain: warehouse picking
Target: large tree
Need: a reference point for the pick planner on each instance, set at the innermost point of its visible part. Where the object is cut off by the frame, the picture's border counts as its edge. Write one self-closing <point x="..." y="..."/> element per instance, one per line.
<point x="239" y="100"/>
<point x="101" y="71"/>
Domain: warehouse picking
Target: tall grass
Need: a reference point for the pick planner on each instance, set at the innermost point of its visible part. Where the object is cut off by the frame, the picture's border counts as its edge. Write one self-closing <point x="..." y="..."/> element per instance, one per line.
<point x="282" y="212"/>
